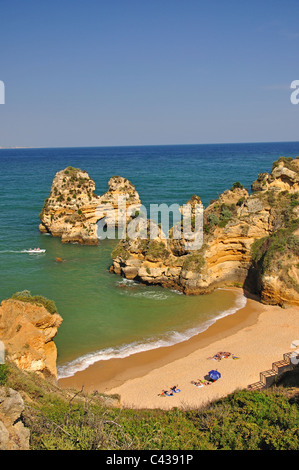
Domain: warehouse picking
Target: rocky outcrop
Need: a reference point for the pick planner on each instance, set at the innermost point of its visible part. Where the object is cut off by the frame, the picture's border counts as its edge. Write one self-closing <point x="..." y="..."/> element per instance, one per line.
<point x="13" y="434"/>
<point x="233" y="225"/>
<point x="27" y="330"/>
<point x="73" y="211"/>
<point x="284" y="177"/>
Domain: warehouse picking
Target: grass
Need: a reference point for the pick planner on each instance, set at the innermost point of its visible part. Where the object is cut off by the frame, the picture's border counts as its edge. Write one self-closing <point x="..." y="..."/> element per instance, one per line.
<point x="156" y="250"/>
<point x="68" y="420"/>
<point x="266" y="250"/>
<point x="3" y="374"/>
<point x="194" y="262"/>
<point x="120" y="252"/>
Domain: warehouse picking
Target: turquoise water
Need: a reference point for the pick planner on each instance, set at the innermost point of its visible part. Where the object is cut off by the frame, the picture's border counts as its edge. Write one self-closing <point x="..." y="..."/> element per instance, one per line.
<point x="104" y="315"/>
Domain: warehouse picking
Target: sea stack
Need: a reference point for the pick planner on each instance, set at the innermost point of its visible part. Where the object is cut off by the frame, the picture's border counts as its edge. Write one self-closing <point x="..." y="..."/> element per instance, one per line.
<point x="249" y="241"/>
<point x="73" y="210"/>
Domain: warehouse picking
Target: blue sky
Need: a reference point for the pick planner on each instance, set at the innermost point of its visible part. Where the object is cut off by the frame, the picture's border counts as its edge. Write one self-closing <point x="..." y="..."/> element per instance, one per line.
<point x="126" y="72"/>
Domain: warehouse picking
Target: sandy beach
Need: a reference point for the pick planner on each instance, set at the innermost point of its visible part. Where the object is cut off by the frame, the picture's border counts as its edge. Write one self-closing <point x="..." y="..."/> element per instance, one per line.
<point x="257" y="335"/>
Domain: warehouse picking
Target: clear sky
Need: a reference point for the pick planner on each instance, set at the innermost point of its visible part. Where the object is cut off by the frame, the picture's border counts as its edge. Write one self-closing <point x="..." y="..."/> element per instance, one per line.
<point x="142" y="72"/>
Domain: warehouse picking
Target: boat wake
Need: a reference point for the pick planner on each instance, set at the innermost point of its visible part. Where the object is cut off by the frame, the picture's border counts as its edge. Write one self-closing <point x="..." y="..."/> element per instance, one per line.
<point x="13" y="251"/>
<point x="38" y="252"/>
<point x="169" y="339"/>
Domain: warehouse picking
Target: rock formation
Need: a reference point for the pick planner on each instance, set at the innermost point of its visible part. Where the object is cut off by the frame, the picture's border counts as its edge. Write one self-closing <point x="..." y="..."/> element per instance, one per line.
<point x="249" y="240"/>
<point x="27" y="330"/>
<point x="73" y="210"/>
<point x="13" y="434"/>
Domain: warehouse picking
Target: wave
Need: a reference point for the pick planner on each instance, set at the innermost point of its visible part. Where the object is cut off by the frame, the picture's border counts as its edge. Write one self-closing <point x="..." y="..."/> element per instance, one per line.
<point x="126" y="350"/>
<point x="145" y="292"/>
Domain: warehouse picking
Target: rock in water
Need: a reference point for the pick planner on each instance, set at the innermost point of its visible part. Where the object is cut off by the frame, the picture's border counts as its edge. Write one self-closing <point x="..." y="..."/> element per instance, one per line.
<point x="249" y="241"/>
<point x="73" y="210"/>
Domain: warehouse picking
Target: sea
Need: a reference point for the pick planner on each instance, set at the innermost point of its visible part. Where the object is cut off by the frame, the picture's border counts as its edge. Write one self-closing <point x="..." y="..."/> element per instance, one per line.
<point x="104" y="315"/>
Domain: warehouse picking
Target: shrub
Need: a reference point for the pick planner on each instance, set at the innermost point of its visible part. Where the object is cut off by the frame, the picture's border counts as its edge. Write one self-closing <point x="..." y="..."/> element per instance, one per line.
<point x="287" y="162"/>
<point x="156" y="250"/>
<point x="213" y="219"/>
<point x="193" y="262"/>
<point x="120" y="252"/>
<point x="266" y="250"/>
<point x="25" y="296"/>
<point x="241" y="201"/>
<point x="3" y="374"/>
<point x="225" y="215"/>
<point x="237" y="185"/>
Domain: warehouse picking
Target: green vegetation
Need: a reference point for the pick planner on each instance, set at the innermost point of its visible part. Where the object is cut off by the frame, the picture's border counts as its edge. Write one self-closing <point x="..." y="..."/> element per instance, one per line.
<point x="237" y="185"/>
<point x="3" y="374"/>
<point x="120" y="252"/>
<point x="226" y="214"/>
<point x="156" y="250"/>
<point x="241" y="201"/>
<point x="213" y="219"/>
<point x="275" y="251"/>
<point x="25" y="296"/>
<point x="279" y="251"/>
<point x="194" y="262"/>
<point x="221" y="215"/>
<point x="70" y="170"/>
<point x="287" y="163"/>
<point x="267" y="249"/>
<point x="65" y="420"/>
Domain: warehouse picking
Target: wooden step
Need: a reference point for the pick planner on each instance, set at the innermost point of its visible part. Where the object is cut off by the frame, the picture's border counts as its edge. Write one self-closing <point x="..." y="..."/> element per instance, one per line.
<point x="280" y="364"/>
<point x="256" y="386"/>
<point x="268" y="377"/>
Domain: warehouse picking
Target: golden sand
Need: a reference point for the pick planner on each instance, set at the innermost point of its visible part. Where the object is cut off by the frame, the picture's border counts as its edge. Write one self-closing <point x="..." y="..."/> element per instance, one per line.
<point x="257" y="334"/>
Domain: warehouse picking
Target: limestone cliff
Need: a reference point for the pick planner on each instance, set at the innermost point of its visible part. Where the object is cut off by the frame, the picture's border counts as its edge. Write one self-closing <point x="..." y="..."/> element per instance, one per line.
<point x="27" y="330"/>
<point x="233" y="226"/>
<point x="73" y="210"/>
<point x="13" y="434"/>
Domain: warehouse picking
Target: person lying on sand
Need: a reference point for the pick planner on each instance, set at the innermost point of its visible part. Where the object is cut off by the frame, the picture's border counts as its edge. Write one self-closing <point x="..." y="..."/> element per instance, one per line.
<point x="175" y="389"/>
<point x="220" y="355"/>
<point x="201" y="383"/>
<point x="165" y="393"/>
<point x="197" y="384"/>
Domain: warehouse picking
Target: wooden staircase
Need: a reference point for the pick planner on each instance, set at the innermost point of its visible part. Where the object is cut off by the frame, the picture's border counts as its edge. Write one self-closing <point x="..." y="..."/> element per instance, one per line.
<point x="269" y="377"/>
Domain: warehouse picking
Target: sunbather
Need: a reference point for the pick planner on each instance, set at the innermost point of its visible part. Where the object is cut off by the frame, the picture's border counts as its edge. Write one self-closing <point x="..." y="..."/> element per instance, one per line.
<point x="220" y="355"/>
<point x="201" y="382"/>
<point x="165" y="393"/>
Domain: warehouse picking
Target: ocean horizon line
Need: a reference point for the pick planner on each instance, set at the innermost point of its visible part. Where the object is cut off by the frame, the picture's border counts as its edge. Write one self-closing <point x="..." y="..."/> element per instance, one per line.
<point x="147" y="145"/>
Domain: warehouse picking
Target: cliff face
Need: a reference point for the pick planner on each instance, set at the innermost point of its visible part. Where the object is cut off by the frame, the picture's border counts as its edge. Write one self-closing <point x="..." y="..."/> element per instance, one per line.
<point x="72" y="209"/>
<point x="13" y="434"/>
<point x="27" y="331"/>
<point x="233" y="226"/>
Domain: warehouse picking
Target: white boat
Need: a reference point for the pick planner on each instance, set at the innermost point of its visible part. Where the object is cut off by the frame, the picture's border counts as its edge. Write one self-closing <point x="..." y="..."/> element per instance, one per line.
<point x="35" y="251"/>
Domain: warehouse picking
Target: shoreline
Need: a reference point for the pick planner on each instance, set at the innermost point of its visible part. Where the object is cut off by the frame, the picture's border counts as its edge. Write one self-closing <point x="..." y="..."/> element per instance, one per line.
<point x="258" y="334"/>
<point x="105" y="375"/>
